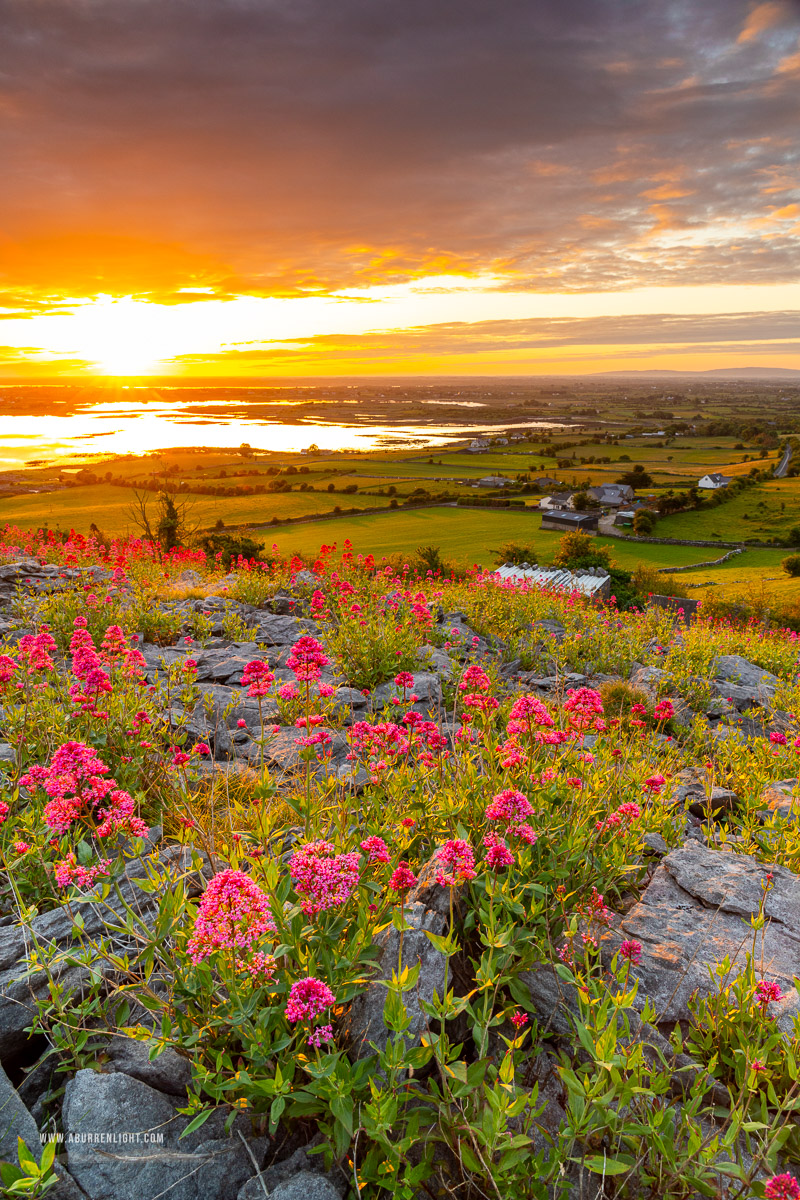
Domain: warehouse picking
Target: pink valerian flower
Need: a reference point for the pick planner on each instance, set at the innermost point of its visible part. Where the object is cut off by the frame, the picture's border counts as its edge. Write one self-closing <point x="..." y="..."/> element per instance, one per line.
<point x="654" y="784"/>
<point x="376" y="850"/>
<point x="402" y="879"/>
<point x="625" y="814"/>
<point x="21" y="847"/>
<point x="782" y="1187"/>
<point x="35" y="651"/>
<point x="323" y="878"/>
<point x="509" y="805"/>
<point x="777" y="738"/>
<point x="79" y="785"/>
<point x="320" y="1035"/>
<point x="261" y="967"/>
<point x="475" y="679"/>
<point x="595" y="909"/>
<point x="8" y="666"/>
<point x="307" y="659"/>
<point x="326" y="690"/>
<point x="519" y="1019"/>
<point x="257" y="678"/>
<point x="69" y="873"/>
<point x="632" y="951"/>
<point x="404" y="680"/>
<point x="288" y="691"/>
<point x="459" y="858"/>
<point x="233" y="913"/>
<point x="114" y="643"/>
<point x="201" y="748"/>
<point x="525" y="832"/>
<point x="767" y="993"/>
<point x="498" y="854"/>
<point x="526" y="712"/>
<point x="551" y="737"/>
<point x="575" y="782"/>
<point x="584" y="706"/>
<point x="664" y="710"/>
<point x="4" y="811"/>
<point x="120" y="816"/>
<point x="307" y="999"/>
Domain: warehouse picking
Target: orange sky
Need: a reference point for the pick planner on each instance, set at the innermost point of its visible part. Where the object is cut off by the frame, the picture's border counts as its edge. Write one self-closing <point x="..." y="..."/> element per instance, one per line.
<point x="460" y="188"/>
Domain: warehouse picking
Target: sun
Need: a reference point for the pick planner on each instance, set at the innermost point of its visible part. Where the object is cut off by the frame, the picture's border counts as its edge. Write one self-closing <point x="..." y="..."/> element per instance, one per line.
<point x="121" y="336"/>
<point x="126" y="361"/>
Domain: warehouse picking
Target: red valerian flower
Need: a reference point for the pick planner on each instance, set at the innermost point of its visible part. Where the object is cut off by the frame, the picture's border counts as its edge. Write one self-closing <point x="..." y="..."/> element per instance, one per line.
<point x="233" y="913"/>
<point x="403" y="879"/>
<point x="498" y="854"/>
<point x="257" y="678"/>
<point x="632" y="951"/>
<point x="509" y="805"/>
<point x="307" y="999"/>
<point x="782" y="1187"/>
<point x="323" y="878"/>
<point x="376" y="850"/>
<point x="459" y="858"/>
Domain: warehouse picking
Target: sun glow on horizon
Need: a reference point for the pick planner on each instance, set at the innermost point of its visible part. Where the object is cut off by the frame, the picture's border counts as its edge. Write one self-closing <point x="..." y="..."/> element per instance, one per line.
<point x="133" y="337"/>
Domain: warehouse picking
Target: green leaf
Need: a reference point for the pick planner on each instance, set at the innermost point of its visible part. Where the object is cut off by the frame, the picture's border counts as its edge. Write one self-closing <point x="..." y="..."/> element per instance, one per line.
<point x="196" y="1122"/>
<point x="605" y="1166"/>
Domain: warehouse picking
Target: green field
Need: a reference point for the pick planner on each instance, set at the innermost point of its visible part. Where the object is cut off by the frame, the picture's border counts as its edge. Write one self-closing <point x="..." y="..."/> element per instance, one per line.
<point x="762" y="513"/>
<point x="109" y="508"/>
<point x="463" y="535"/>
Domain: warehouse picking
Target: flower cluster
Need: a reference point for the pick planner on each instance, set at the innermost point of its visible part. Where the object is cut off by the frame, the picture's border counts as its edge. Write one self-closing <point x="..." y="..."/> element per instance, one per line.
<point x="307" y="659"/>
<point x="257" y="678"/>
<point x="68" y="872"/>
<point x="323" y="878"/>
<point x="458" y="859"/>
<point x="307" y="999"/>
<point x="80" y="788"/>
<point x="233" y="914"/>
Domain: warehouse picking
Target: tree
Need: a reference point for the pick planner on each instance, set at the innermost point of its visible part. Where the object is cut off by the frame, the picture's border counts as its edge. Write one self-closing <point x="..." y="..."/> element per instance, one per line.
<point x="644" y="522"/>
<point x="166" y="521"/>
<point x="791" y="565"/>
<point x="516" y="553"/>
<point x="637" y="478"/>
<point x="578" y="549"/>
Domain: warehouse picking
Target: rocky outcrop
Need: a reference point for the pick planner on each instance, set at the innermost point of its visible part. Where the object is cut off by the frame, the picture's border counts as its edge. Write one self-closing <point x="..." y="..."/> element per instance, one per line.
<point x="696" y="911"/>
<point x="123" y="1139"/>
<point x="52" y="934"/>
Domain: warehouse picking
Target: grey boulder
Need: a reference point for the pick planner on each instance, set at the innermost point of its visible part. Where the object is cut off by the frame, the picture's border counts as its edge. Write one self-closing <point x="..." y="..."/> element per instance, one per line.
<point x="123" y="1139"/>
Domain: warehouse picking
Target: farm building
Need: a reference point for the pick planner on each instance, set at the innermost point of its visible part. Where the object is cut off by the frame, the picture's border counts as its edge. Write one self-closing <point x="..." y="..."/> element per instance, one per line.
<point x="593" y="582"/>
<point x="494" y="481"/>
<point x="713" y="482"/>
<point x="565" y="521"/>
<point x="612" y="495"/>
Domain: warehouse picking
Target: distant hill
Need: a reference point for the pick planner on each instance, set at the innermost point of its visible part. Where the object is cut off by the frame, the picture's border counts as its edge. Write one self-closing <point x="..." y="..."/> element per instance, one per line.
<point x="777" y="374"/>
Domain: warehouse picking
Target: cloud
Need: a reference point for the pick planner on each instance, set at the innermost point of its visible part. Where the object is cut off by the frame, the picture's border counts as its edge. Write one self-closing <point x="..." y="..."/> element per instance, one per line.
<point x="763" y="17"/>
<point x="295" y="146"/>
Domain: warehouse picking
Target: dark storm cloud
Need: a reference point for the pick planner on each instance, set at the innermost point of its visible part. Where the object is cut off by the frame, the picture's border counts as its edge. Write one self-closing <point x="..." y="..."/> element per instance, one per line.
<point x="279" y="145"/>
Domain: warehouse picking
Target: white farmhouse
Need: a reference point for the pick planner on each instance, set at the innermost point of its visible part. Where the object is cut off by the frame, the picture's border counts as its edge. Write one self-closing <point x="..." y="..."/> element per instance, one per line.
<point x="714" y="482"/>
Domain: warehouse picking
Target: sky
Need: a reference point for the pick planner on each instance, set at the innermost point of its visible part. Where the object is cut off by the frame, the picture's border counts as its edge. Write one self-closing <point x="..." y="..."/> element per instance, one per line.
<point x="266" y="188"/>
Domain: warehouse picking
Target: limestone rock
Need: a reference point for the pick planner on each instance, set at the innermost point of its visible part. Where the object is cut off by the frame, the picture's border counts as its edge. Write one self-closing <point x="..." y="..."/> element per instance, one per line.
<point x="366" y="1012"/>
<point x="696" y="910"/>
<point x="142" y="1154"/>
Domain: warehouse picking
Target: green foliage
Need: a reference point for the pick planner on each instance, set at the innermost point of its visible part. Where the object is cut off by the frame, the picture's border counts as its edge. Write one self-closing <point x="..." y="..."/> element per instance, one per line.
<point x="516" y="553"/>
<point x="578" y="549"/>
<point x="225" y="548"/>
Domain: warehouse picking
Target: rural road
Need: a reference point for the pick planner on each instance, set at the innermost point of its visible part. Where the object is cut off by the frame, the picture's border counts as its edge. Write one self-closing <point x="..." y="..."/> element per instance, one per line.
<point x="783" y="465"/>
